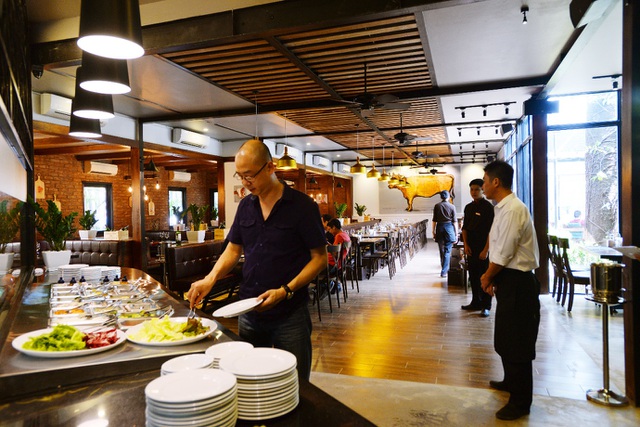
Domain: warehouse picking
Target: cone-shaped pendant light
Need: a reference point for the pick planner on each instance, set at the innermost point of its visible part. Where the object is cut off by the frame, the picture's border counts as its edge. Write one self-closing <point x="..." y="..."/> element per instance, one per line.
<point x="384" y="176"/>
<point x="286" y="162"/>
<point x="84" y="128"/>
<point x="104" y="75"/>
<point x="357" y="167"/>
<point x="91" y="105"/>
<point x="111" y="28"/>
<point x="373" y="172"/>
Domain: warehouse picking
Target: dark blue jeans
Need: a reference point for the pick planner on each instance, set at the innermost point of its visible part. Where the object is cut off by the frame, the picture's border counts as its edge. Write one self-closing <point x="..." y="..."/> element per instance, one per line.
<point x="292" y="334"/>
<point x="445" y="235"/>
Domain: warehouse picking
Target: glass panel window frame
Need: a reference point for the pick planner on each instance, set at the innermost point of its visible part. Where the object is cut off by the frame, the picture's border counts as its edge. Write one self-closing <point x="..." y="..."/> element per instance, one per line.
<point x="177" y="198"/>
<point x="98" y="196"/>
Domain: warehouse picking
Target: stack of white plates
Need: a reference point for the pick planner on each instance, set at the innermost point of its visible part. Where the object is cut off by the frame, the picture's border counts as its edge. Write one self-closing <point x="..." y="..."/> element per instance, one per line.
<point x="91" y="274"/>
<point x="110" y="272"/>
<point x="186" y="363"/>
<point x="202" y="397"/>
<point x="226" y="349"/>
<point x="267" y="382"/>
<point x="69" y="271"/>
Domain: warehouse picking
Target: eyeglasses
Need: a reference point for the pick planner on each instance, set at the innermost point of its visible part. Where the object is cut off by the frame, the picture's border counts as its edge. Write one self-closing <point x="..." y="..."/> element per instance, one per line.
<point x="249" y="178"/>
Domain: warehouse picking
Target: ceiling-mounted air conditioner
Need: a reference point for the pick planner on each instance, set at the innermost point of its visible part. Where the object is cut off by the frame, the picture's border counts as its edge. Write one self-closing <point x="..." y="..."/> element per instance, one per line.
<point x="341" y="168"/>
<point x="321" y="161"/>
<point x="101" y="168"/>
<point x="55" y="106"/>
<point x="185" y="137"/>
<point x="179" y="176"/>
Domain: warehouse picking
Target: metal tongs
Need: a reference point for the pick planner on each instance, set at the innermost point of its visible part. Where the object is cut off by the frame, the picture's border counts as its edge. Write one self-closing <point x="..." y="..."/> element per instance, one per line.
<point x="192" y="314"/>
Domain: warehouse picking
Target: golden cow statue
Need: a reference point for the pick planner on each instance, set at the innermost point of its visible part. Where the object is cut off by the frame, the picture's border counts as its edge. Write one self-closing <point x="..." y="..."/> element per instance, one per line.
<point x="425" y="186"/>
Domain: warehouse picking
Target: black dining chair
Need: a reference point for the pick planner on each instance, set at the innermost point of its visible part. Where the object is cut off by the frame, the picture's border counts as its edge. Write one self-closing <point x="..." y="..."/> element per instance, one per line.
<point x="570" y="278"/>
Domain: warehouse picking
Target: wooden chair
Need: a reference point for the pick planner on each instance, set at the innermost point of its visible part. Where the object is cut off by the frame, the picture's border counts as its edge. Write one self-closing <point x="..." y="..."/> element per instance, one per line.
<point x="569" y="278"/>
<point x="556" y="264"/>
<point x="350" y="266"/>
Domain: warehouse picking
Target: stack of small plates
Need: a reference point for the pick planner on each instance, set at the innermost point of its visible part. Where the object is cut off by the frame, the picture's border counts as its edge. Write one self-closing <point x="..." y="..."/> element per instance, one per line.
<point x="91" y="274"/>
<point x="267" y="382"/>
<point x="226" y="349"/>
<point x="202" y="397"/>
<point x="69" y="271"/>
<point x="110" y="272"/>
<point x="186" y="363"/>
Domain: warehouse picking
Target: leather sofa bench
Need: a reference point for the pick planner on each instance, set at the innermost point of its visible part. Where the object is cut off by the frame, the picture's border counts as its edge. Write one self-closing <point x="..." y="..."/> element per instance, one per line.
<point x="94" y="252"/>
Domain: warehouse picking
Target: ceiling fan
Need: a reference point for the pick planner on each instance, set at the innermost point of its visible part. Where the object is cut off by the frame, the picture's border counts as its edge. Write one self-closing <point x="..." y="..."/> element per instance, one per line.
<point x="368" y="102"/>
<point x="405" y="138"/>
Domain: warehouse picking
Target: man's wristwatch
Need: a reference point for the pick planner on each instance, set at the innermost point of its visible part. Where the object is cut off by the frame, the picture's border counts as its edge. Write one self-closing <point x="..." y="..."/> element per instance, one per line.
<point x="288" y="291"/>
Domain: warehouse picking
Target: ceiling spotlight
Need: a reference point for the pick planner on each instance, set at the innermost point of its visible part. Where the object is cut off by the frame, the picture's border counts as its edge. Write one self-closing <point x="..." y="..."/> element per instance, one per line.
<point x="497" y="130"/>
<point x="459" y="132"/>
<point x="462" y="113"/>
<point x="478" y="130"/>
<point x="524" y="9"/>
<point x="506" y="108"/>
<point x="484" y="110"/>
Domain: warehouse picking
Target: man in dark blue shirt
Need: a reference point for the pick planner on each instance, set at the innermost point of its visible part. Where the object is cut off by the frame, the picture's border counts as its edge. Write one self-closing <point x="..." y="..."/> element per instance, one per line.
<point x="280" y="232"/>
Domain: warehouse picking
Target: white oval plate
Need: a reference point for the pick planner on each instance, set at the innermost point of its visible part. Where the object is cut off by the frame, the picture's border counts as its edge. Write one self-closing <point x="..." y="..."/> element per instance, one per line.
<point x="205" y="322"/>
<point x="224" y="349"/>
<point x="237" y="308"/>
<point x="190" y="386"/>
<point x="22" y="339"/>
<point x="259" y="362"/>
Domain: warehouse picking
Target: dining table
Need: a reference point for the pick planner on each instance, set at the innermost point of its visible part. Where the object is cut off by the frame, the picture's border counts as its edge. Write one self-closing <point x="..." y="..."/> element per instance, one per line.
<point x="108" y="388"/>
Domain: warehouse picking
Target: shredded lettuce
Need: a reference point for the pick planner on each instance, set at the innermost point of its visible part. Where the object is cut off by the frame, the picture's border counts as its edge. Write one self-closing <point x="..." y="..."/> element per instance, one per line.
<point x="62" y="338"/>
<point x="162" y="330"/>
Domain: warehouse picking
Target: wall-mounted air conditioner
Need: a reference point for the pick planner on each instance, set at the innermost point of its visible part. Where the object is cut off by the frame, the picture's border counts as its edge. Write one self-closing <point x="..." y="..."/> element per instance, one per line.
<point x="101" y="168"/>
<point x="55" y="106"/>
<point x="179" y="176"/>
<point x="185" y="137"/>
<point x="341" y="168"/>
<point x="321" y="161"/>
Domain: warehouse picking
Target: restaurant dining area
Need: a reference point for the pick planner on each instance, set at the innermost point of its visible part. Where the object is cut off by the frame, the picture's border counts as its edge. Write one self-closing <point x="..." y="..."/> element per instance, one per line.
<point x="145" y="194"/>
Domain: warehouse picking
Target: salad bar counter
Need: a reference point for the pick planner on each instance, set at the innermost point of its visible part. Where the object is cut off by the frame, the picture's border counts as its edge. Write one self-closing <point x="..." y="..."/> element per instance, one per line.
<point x="86" y="353"/>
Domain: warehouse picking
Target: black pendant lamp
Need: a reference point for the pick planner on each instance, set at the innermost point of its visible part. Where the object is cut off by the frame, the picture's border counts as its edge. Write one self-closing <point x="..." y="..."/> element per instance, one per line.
<point x="84" y="128"/>
<point x="104" y="75"/>
<point x="91" y="105"/>
<point x="111" y="28"/>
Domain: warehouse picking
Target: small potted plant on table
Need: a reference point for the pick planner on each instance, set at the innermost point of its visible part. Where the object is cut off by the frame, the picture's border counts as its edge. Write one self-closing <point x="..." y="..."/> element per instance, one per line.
<point x="340" y="210"/>
<point x="55" y="229"/>
<point x="360" y="209"/>
<point x="197" y="218"/>
<point x="87" y="221"/>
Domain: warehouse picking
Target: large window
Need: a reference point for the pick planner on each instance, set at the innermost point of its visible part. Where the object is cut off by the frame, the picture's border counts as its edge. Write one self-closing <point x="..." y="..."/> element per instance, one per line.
<point x="177" y="204"/>
<point x="583" y="143"/>
<point x="97" y="197"/>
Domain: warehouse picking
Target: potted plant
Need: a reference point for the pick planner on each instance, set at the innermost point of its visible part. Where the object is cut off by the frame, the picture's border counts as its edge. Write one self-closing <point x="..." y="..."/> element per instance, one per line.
<point x="340" y="209"/>
<point x="9" y="227"/>
<point x="87" y="221"/>
<point x="214" y="216"/>
<point x="196" y="235"/>
<point x="360" y="211"/>
<point x="55" y="229"/>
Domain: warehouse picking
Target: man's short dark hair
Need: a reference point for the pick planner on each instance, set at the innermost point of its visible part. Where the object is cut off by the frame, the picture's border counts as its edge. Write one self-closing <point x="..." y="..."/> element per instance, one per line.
<point x="501" y="170"/>
<point x="478" y="181"/>
<point x="334" y="223"/>
<point x="326" y="217"/>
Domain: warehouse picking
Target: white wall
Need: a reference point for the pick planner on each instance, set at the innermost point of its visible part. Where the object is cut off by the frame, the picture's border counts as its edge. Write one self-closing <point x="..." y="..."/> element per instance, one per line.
<point x="389" y="204"/>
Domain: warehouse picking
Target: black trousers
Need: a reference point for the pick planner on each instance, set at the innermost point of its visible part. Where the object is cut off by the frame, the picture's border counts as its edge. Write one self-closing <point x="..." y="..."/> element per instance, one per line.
<point x="516" y="332"/>
<point x="477" y="267"/>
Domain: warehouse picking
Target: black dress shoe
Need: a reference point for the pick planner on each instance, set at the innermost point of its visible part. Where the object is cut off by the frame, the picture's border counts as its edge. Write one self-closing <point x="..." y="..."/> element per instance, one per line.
<point x="470" y="307"/>
<point x="511" y="412"/>
<point x="498" y="385"/>
<point x="485" y="313"/>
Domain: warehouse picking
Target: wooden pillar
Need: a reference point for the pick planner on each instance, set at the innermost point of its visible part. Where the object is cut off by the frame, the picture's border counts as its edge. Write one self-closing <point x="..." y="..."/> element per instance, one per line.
<point x="630" y="191"/>
<point x="540" y="195"/>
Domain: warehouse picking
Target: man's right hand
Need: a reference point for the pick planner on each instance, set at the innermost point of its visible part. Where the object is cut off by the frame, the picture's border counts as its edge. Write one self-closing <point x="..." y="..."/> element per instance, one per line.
<point x="198" y="291"/>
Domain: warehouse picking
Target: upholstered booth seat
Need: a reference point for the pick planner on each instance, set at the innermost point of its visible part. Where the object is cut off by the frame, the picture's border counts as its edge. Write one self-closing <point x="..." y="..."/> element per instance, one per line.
<point x="94" y="252"/>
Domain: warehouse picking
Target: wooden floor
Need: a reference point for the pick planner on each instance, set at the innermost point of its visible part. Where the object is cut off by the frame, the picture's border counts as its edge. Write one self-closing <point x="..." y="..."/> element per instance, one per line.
<point x="412" y="328"/>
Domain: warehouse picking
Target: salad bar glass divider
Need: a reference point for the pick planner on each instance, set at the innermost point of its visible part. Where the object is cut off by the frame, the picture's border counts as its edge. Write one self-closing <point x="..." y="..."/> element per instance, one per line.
<point x="46" y="304"/>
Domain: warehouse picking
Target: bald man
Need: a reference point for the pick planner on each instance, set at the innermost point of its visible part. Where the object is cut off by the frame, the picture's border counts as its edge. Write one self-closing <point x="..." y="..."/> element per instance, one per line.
<point x="280" y="232"/>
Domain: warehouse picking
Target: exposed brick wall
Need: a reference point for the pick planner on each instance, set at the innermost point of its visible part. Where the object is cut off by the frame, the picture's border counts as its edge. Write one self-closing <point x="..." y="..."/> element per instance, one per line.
<point x="63" y="176"/>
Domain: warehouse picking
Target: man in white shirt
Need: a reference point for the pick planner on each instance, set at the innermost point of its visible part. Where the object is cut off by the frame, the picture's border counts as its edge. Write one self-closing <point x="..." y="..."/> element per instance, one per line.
<point x="513" y="255"/>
